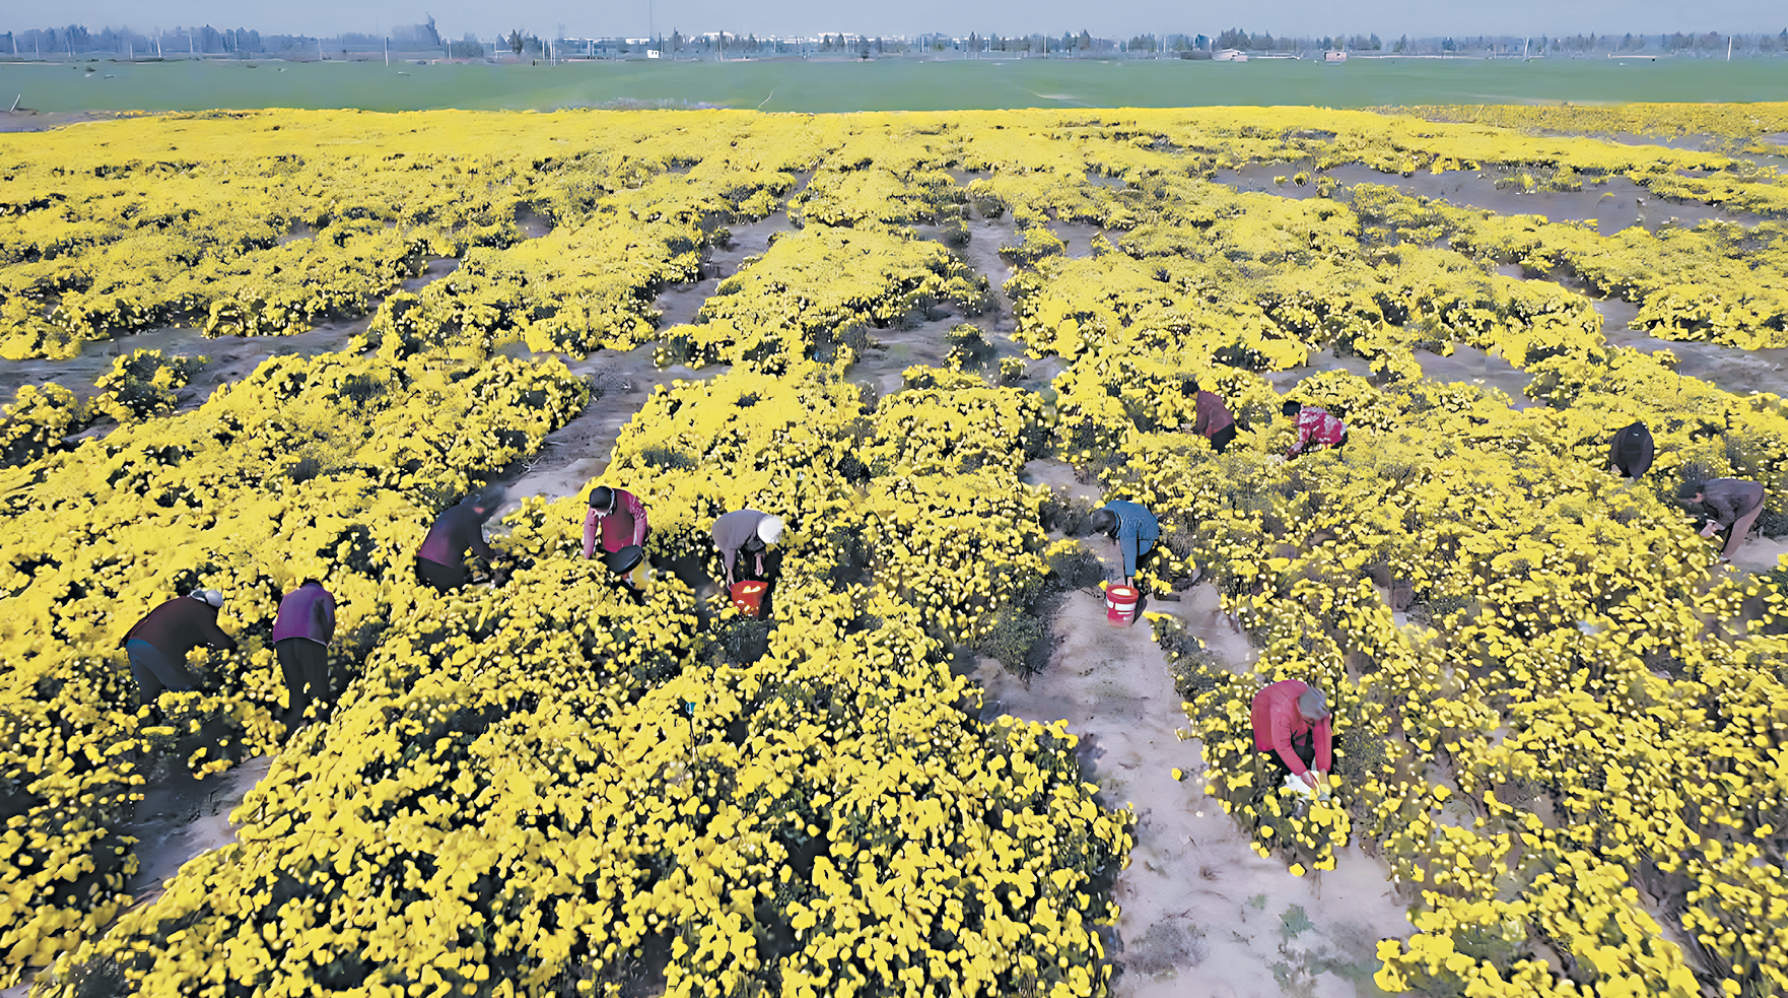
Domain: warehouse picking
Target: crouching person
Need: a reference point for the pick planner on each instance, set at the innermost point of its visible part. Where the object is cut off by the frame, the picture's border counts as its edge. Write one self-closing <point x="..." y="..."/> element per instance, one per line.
<point x="1293" y="726"/>
<point x="301" y="635"/>
<point x="159" y="643"/>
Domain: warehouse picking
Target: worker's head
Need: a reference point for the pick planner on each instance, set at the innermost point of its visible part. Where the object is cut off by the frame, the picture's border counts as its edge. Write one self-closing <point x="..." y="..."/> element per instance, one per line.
<point x="1313" y="706"/>
<point x="486" y="502"/>
<point x="1188" y="386"/>
<point x="210" y="597"/>
<point x="1691" y="491"/>
<point x="769" y="529"/>
<point x="310" y="582"/>
<point x="1104" y="521"/>
<point x="1290" y="408"/>
<point x="602" y="500"/>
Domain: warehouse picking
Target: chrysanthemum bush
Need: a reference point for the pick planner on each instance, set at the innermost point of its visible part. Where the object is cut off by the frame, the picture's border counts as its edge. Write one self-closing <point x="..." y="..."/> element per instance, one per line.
<point x="281" y="476"/>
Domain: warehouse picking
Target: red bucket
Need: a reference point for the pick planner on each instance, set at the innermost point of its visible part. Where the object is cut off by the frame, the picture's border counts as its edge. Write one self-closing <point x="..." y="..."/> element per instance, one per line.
<point x="1120" y="604"/>
<point x="748" y="596"/>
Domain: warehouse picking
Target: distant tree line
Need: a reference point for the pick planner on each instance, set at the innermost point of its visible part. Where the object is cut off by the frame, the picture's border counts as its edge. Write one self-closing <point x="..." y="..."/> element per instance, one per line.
<point x="76" y="40"/>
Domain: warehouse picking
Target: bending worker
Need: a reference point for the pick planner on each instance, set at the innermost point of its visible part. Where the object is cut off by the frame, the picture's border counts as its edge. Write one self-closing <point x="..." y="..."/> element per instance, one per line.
<point x="441" y="561"/>
<point x="1133" y="527"/>
<point x="618" y="517"/>
<point x="1316" y="427"/>
<point x="301" y="635"/>
<point x="1212" y="419"/>
<point x="1292" y="725"/>
<point x="1729" y="504"/>
<point x="745" y="531"/>
<point x="1631" y="452"/>
<point x="158" y="644"/>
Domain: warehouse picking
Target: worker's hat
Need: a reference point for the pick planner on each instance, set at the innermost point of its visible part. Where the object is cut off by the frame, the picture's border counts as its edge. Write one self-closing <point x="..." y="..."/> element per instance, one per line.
<point x="210" y="596"/>
<point x="769" y="529"/>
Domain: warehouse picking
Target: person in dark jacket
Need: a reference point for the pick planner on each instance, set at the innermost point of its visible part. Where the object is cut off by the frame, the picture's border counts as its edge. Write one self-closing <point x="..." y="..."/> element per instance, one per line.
<point x="1294" y="727"/>
<point x="1211" y="419"/>
<point x="301" y="636"/>
<point x="1134" y="528"/>
<point x="441" y="560"/>
<point x="158" y="644"/>
<point x="1729" y="504"/>
<point x="1631" y="452"/>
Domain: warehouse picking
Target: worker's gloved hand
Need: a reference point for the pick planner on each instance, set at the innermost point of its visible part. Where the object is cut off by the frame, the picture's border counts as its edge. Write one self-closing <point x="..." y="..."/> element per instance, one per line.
<point x="1710" y="530"/>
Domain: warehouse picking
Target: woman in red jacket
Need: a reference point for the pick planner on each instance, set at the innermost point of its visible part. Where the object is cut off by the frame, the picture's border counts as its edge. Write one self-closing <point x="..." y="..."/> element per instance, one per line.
<point x="1292" y="724"/>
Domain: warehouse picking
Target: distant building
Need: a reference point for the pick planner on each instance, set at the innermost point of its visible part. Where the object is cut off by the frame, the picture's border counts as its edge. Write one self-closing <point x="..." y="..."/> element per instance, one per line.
<point x="1230" y="55"/>
<point x="1334" y="55"/>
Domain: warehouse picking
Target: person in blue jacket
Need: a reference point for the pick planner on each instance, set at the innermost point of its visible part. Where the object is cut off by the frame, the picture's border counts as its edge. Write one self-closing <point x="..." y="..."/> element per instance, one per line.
<point x="1133" y="527"/>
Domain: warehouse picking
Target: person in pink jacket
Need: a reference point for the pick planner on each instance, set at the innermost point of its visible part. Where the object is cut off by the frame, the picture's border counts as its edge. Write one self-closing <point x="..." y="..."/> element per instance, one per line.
<point x="617" y="517"/>
<point x="1316" y="427"/>
<point x="1293" y="725"/>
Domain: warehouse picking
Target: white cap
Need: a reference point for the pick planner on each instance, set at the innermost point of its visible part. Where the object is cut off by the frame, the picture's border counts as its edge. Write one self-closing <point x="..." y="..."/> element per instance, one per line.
<point x="210" y="596"/>
<point x="769" y="529"/>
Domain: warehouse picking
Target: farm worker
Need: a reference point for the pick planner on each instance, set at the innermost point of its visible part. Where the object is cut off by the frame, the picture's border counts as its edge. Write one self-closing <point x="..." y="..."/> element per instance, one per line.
<point x="745" y="531"/>
<point x="1316" y="427"/>
<point x="301" y="634"/>
<point x="618" y="517"/>
<point x="1630" y="454"/>
<point x="1133" y="527"/>
<point x="158" y="644"/>
<point x="1729" y="504"/>
<point x="1211" y="418"/>
<point x="1292" y="724"/>
<point x="441" y="559"/>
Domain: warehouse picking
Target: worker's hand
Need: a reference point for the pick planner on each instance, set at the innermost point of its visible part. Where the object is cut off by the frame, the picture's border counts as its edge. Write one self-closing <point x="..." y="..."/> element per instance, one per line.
<point x="1710" y="530"/>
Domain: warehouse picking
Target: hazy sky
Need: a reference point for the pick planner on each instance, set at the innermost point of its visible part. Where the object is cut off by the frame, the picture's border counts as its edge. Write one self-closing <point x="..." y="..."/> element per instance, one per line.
<point x="807" y="17"/>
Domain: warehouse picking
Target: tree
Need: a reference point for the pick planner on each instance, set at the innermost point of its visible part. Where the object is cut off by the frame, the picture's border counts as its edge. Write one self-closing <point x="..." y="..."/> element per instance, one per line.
<point x="1084" y="42"/>
<point x="1402" y="44"/>
<point x="515" y="41"/>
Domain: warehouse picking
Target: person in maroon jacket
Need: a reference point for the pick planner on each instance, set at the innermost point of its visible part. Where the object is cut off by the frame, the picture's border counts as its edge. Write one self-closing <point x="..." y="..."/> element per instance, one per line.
<point x="158" y="644"/>
<point x="441" y="561"/>
<point x="1293" y="725"/>
<point x="301" y="636"/>
<point x="1211" y="418"/>
<point x="618" y="517"/>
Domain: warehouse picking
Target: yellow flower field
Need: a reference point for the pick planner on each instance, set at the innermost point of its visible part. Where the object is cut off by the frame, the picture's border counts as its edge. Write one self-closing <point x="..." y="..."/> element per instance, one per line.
<point x="1567" y="750"/>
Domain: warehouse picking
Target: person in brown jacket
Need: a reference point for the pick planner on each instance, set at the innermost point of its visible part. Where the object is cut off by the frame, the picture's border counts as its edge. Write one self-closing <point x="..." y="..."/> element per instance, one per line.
<point x="158" y="644"/>
<point x="1729" y="504"/>
<point x="1211" y="419"/>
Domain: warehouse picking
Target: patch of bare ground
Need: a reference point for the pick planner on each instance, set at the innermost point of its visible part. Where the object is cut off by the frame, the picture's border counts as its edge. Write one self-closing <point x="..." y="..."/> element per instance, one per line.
<point x="1202" y="915"/>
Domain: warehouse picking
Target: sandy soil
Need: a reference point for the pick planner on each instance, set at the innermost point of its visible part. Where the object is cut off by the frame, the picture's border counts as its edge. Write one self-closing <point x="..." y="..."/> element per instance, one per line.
<point x="25" y="120"/>
<point x="1203" y="916"/>
<point x="1613" y="205"/>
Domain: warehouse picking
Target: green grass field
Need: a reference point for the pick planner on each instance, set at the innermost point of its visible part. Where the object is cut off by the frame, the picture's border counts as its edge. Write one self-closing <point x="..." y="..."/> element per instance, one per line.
<point x="890" y="84"/>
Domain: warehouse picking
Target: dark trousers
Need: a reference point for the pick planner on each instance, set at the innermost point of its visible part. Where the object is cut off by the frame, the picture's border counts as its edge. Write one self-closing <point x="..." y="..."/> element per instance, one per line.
<point x="1221" y="439"/>
<point x="445" y="578"/>
<point x="306" y="667"/>
<point x="1303" y="746"/>
<point x="155" y="671"/>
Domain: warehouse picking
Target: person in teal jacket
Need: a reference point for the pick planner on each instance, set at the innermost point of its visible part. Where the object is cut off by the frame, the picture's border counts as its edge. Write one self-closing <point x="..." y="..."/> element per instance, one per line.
<point x="1133" y="527"/>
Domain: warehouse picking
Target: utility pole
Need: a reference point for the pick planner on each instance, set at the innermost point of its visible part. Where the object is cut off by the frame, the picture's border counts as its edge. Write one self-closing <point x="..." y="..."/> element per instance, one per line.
<point x="387" y="53"/>
<point x="1728" y="48"/>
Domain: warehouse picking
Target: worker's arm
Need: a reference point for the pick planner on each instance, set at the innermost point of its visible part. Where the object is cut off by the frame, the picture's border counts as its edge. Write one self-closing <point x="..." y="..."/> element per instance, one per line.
<point x="1201" y="422"/>
<point x="1302" y="441"/>
<point x="1282" y="745"/>
<point x="1323" y="734"/>
<point x="591" y="523"/>
<point x="1129" y="542"/>
<point x="324" y="613"/>
<point x="214" y="635"/>
<point x="638" y="511"/>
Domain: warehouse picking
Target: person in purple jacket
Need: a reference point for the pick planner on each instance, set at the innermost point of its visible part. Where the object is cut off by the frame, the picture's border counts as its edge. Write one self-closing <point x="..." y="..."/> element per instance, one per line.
<point x="441" y="561"/>
<point x="301" y="636"/>
<point x="158" y="644"/>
